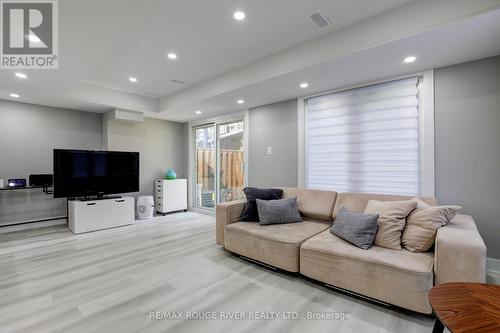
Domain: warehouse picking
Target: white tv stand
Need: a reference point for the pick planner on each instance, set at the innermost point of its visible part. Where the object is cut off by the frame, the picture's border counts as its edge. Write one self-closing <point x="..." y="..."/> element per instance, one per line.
<point x="85" y="216"/>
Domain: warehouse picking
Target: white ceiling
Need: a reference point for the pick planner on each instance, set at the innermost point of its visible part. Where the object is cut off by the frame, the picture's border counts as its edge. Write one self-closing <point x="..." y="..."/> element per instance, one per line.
<point x="210" y="42"/>
<point x="261" y="59"/>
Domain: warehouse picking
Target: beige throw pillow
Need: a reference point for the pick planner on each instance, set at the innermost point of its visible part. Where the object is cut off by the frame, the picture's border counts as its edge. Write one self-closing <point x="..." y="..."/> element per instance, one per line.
<point x="391" y="221"/>
<point x="422" y="225"/>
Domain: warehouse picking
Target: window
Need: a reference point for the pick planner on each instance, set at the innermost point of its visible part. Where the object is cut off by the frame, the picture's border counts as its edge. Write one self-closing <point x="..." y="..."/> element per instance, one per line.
<point x="367" y="140"/>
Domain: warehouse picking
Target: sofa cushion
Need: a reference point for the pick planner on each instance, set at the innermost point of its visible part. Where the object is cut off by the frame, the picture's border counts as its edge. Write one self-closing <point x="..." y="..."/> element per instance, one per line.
<point x="278" y="211"/>
<point x="276" y="245"/>
<point x="250" y="212"/>
<point x="401" y="278"/>
<point x="422" y="225"/>
<point x="391" y="220"/>
<point x="315" y="204"/>
<point x="358" y="229"/>
<point x="356" y="202"/>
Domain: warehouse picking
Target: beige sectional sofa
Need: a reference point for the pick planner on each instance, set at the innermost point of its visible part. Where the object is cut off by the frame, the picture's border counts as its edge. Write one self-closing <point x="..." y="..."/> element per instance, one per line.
<point x="401" y="278"/>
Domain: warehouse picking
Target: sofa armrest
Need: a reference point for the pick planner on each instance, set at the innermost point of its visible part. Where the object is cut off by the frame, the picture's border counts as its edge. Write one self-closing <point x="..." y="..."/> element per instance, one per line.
<point x="226" y="213"/>
<point x="460" y="252"/>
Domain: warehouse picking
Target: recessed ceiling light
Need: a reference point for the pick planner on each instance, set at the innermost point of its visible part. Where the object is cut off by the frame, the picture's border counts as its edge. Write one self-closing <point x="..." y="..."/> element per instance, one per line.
<point x="409" y="59"/>
<point x="132" y="79"/>
<point x="239" y="15"/>
<point x="304" y="85"/>
<point x="34" y="39"/>
<point x="21" y="75"/>
<point x="240" y="101"/>
<point x="14" y="95"/>
<point x="198" y="112"/>
<point x="172" y="56"/>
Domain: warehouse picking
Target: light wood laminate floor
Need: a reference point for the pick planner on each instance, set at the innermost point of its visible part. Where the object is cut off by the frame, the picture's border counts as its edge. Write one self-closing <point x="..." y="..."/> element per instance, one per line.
<point x="111" y="280"/>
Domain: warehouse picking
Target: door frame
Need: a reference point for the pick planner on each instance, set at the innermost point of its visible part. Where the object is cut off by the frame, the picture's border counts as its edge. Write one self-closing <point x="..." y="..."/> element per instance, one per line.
<point x="191" y="158"/>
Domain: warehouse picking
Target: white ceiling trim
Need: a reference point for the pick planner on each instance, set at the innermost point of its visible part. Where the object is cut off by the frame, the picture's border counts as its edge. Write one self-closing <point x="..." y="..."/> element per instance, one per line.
<point x="113" y="98"/>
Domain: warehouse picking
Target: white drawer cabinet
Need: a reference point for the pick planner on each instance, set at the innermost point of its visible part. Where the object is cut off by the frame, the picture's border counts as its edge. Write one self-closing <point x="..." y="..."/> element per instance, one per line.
<point x="85" y="216"/>
<point x="170" y="195"/>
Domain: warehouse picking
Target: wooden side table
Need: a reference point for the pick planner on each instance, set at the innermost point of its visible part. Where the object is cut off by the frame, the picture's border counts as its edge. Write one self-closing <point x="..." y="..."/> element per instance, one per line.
<point x="466" y="307"/>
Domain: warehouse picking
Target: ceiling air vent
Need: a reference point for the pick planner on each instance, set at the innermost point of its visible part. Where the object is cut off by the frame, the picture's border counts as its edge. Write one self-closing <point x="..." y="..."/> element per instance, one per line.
<point x="320" y="20"/>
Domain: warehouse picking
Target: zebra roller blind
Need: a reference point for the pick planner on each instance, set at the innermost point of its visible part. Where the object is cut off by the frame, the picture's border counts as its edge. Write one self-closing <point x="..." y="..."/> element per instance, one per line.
<point x="365" y="139"/>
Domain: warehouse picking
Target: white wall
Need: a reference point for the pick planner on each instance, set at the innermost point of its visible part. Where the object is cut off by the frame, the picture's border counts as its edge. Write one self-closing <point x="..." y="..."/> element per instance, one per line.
<point x="273" y="125"/>
<point x="161" y="144"/>
<point x="467" y="120"/>
<point x="28" y="134"/>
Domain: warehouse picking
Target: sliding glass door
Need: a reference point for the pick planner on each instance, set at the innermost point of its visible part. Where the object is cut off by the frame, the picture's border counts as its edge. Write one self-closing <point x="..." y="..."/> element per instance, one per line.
<point x="205" y="165"/>
<point x="230" y="154"/>
<point x="219" y="172"/>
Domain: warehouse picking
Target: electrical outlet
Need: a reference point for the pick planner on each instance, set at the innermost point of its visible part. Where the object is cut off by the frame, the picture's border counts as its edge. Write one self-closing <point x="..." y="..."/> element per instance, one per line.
<point x="269" y="150"/>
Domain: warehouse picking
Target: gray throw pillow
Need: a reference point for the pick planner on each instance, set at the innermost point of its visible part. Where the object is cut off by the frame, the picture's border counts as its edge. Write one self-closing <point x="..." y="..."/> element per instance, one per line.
<point x="278" y="211"/>
<point x="357" y="229"/>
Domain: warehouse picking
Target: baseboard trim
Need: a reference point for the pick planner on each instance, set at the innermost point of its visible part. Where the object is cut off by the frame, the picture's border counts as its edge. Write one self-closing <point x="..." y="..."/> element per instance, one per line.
<point x="32" y="225"/>
<point x="493" y="265"/>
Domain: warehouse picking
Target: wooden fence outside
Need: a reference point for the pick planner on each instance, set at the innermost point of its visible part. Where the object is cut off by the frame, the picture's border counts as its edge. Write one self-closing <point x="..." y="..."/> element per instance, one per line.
<point x="232" y="174"/>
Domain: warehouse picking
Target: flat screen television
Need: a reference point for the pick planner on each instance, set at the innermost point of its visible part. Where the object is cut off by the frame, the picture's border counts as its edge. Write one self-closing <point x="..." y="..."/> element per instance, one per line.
<point x="79" y="173"/>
